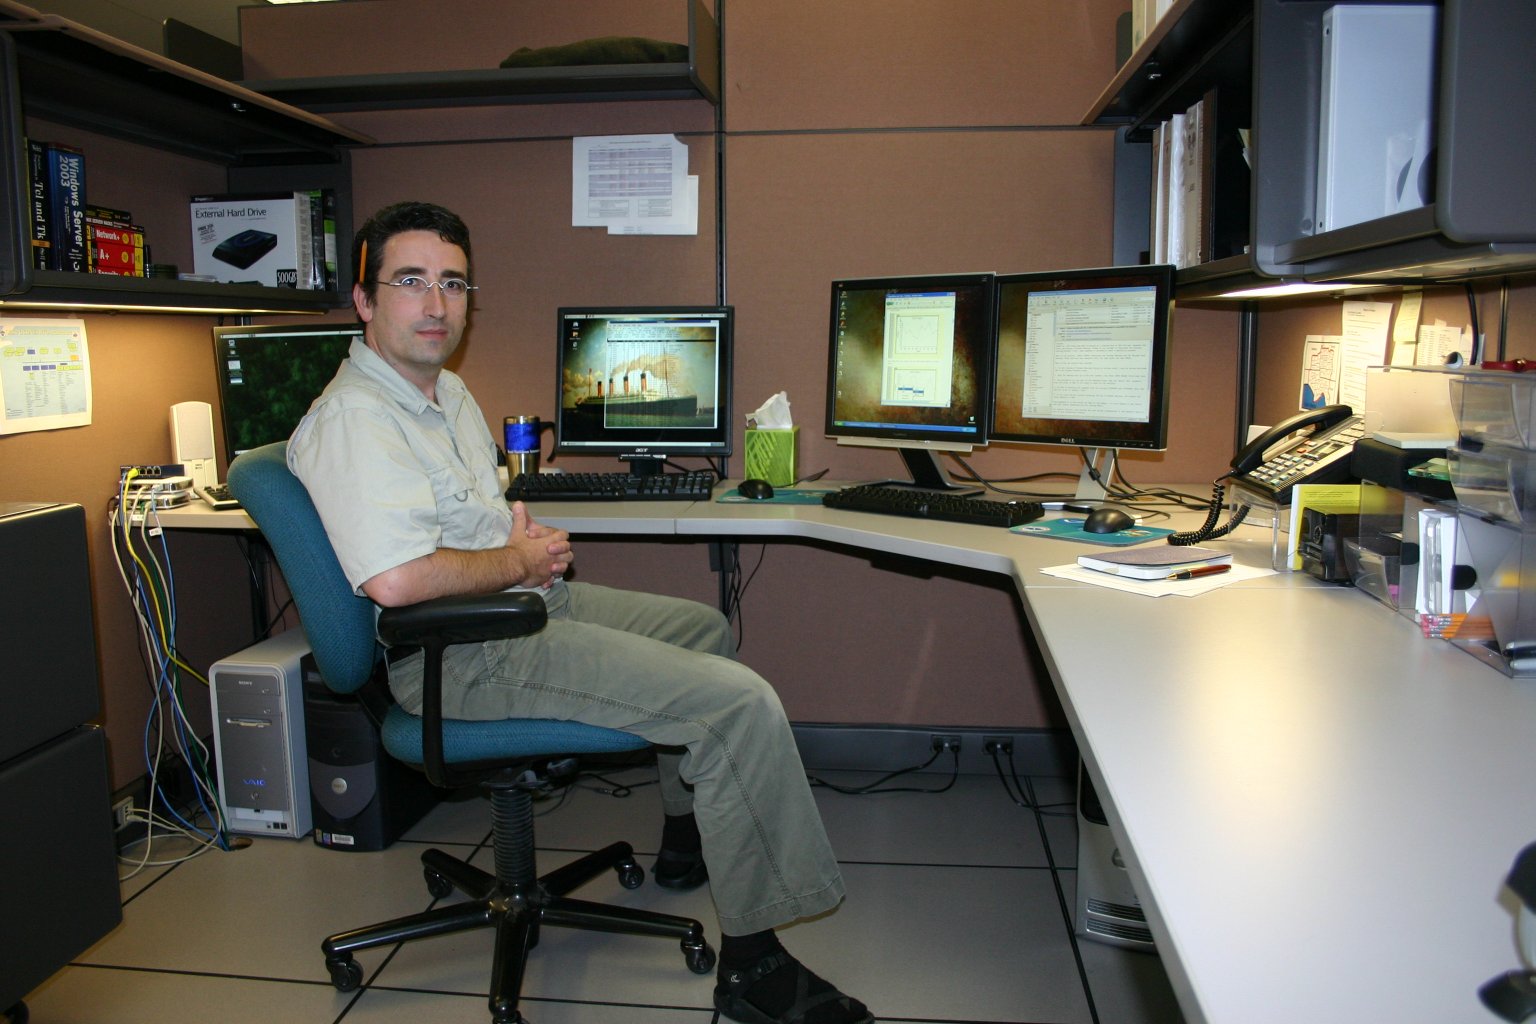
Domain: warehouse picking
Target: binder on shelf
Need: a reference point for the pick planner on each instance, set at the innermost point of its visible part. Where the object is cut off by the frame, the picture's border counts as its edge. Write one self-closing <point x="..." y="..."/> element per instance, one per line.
<point x="1376" y="112"/>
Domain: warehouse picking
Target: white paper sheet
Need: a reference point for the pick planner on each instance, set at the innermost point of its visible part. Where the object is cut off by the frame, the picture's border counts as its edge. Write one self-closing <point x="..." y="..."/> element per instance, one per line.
<point x="630" y="181"/>
<point x="45" y="374"/>
<point x="1158" y="588"/>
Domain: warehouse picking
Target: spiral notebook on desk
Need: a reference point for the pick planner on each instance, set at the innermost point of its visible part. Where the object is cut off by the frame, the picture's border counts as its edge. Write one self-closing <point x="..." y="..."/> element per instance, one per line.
<point x="1154" y="561"/>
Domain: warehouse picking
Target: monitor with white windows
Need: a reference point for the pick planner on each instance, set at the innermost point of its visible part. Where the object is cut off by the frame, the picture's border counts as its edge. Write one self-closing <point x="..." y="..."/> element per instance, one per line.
<point x="910" y="368"/>
<point x="1082" y="360"/>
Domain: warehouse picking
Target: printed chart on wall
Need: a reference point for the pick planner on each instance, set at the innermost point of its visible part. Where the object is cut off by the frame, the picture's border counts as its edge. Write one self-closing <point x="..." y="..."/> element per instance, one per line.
<point x="45" y="374"/>
<point x="1333" y="367"/>
<point x="633" y="185"/>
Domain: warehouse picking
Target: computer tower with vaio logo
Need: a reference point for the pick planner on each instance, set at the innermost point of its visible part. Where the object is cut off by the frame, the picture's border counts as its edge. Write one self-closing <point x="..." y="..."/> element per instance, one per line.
<point x="258" y="738"/>
<point x="362" y="798"/>
<point x="1108" y="909"/>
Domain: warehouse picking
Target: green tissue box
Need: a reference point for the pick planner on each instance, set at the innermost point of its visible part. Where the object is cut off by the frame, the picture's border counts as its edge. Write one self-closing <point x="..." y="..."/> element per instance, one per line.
<point x="771" y="455"/>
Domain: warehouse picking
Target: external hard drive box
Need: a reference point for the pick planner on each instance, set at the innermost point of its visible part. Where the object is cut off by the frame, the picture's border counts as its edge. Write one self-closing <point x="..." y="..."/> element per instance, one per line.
<point x="254" y="239"/>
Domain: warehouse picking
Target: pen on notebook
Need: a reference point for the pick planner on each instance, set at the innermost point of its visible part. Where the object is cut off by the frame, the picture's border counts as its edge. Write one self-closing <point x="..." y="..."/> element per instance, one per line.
<point x="1197" y="572"/>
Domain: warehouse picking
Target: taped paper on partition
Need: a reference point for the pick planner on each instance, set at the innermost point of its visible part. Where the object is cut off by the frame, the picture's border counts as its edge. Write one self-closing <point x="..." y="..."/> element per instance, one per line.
<point x="632" y="184"/>
<point x="45" y="375"/>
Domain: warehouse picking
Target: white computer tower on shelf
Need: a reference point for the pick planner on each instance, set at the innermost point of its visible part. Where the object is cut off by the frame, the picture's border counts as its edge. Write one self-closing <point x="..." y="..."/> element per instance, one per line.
<point x="258" y="737"/>
<point x="1108" y="909"/>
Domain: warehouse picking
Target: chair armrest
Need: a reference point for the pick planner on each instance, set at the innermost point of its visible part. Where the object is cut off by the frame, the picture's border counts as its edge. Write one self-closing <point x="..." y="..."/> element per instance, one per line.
<point x="467" y="619"/>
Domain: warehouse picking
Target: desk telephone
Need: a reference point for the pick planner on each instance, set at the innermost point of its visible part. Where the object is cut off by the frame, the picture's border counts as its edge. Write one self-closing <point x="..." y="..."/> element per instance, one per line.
<point x="1287" y="454"/>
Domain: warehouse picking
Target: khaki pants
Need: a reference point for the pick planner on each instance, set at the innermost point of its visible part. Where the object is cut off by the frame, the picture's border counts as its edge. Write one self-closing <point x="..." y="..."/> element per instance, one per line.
<point x="662" y="668"/>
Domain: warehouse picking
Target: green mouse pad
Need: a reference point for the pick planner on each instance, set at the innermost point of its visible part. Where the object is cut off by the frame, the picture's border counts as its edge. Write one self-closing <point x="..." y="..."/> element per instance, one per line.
<point x="1071" y="528"/>
<point x="781" y="496"/>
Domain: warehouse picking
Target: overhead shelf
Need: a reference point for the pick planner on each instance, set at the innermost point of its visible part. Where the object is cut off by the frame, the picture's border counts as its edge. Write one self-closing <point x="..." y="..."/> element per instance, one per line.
<point x="696" y="78"/>
<point x="60" y="71"/>
<point x="1261" y="60"/>
<point x="1192" y="45"/>
<point x="73" y="74"/>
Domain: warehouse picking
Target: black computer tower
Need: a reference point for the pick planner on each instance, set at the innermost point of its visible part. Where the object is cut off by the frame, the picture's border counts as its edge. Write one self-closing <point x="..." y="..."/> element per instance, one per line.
<point x="362" y="798"/>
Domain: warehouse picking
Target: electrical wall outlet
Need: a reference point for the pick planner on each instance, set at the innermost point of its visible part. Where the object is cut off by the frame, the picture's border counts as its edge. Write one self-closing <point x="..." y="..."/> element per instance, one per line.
<point x="997" y="745"/>
<point x="941" y="742"/>
<point x="120" y="812"/>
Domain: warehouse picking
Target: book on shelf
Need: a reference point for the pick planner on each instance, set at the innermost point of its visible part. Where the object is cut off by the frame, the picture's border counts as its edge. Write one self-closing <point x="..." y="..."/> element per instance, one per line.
<point x="1183" y="183"/>
<point x="322" y="223"/>
<point x="115" y="248"/>
<point x="1154" y="561"/>
<point x="1159" y="229"/>
<point x="39" y="205"/>
<point x="66" y="180"/>
<point x="1173" y="188"/>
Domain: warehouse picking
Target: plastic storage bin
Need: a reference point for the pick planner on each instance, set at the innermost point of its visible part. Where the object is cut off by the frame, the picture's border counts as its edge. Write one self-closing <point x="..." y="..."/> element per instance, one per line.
<point x="1497" y="481"/>
<point x="1496" y="407"/>
<point x="1374" y="557"/>
<point x="1501" y="615"/>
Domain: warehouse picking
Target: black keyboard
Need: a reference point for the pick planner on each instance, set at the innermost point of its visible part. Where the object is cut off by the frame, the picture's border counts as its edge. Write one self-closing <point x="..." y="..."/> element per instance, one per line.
<point x="919" y="504"/>
<point x="692" y="486"/>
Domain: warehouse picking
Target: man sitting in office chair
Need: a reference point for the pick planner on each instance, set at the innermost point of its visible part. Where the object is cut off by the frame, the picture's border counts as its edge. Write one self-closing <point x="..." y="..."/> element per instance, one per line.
<point x="401" y="466"/>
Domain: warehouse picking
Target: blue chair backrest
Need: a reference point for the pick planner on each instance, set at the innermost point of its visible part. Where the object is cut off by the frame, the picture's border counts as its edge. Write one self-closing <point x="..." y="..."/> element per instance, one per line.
<point x="340" y="625"/>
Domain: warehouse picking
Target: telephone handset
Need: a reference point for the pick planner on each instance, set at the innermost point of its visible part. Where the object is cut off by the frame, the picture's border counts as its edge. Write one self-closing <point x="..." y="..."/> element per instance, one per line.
<point x="1320" y="455"/>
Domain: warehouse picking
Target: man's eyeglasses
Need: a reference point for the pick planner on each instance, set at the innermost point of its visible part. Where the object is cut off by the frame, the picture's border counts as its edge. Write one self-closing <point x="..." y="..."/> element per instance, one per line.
<point x="450" y="287"/>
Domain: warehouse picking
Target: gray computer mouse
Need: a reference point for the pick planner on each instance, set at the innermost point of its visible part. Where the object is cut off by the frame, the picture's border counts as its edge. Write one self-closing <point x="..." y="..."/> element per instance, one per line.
<point x="757" y="490"/>
<point x="1107" y="519"/>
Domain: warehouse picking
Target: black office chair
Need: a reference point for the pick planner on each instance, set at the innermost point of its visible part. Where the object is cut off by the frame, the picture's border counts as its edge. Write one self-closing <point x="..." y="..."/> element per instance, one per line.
<point x="499" y="756"/>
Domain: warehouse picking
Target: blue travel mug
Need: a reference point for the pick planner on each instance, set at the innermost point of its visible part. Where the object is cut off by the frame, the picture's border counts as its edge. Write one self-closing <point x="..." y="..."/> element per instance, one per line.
<point x="522" y="438"/>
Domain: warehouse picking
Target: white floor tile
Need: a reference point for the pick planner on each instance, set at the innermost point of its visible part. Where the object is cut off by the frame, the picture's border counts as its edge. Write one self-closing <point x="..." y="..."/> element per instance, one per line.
<point x="84" y="995"/>
<point x="952" y="914"/>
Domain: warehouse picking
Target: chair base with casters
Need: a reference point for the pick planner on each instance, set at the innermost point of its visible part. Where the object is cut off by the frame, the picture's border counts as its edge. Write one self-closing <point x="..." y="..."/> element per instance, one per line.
<point x="343" y="631"/>
<point x="516" y="902"/>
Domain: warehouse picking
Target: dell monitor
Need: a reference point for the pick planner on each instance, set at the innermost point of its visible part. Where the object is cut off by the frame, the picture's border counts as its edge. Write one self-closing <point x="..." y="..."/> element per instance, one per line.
<point x="269" y="375"/>
<point x="644" y="384"/>
<point x="1082" y="360"/>
<point x="910" y="367"/>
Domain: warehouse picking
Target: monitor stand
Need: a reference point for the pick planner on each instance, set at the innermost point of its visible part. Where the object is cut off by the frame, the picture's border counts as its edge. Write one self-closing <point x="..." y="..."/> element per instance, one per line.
<point x="646" y="465"/>
<point x="927" y="475"/>
<point x="1088" y="488"/>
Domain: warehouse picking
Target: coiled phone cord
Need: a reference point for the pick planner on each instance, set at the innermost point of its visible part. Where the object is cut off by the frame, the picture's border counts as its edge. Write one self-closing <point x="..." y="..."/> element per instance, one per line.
<point x="1209" y="530"/>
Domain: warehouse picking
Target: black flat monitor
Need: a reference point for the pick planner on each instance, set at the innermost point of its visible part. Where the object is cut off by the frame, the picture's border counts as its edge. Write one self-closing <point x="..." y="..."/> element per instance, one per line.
<point x="269" y="375"/>
<point x="1082" y="360"/>
<point x="644" y="383"/>
<point x="910" y="367"/>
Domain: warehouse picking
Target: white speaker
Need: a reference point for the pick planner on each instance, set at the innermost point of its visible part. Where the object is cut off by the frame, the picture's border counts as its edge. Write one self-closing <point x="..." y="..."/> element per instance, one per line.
<point x="192" y="441"/>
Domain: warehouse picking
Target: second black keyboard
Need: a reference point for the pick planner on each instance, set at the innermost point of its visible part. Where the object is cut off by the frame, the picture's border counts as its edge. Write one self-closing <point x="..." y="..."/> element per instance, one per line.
<point x="693" y="486"/>
<point x="920" y="504"/>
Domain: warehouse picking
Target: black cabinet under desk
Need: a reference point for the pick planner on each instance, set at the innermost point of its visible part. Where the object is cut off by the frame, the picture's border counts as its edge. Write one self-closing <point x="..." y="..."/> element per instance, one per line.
<point x="59" y="859"/>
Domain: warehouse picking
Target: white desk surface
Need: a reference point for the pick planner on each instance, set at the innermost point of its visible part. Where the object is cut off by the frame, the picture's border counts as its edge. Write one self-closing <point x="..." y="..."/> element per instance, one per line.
<point x="1317" y="806"/>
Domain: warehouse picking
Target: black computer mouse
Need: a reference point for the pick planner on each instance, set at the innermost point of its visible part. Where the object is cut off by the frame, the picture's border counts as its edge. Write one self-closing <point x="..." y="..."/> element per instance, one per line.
<point x="757" y="490"/>
<point x="1107" y="519"/>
